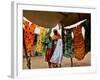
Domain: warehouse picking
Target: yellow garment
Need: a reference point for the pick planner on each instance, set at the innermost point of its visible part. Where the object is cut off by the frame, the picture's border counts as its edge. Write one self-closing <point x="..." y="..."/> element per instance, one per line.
<point x="43" y="32"/>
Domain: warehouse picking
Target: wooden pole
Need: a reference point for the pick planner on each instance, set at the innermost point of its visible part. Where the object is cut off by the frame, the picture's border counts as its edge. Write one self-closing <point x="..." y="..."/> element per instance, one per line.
<point x="71" y="62"/>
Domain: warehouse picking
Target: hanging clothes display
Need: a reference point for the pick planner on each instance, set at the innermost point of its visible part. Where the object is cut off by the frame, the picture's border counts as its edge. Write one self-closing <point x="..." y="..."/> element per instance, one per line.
<point x="87" y="27"/>
<point x="58" y="54"/>
<point x="39" y="46"/>
<point x="78" y="43"/>
<point x="29" y="36"/>
<point x="68" y="43"/>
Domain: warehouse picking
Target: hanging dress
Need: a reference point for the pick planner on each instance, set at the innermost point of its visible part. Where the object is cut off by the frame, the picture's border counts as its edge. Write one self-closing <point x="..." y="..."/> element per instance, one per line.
<point x="78" y="43"/>
<point x="58" y="54"/>
<point x="68" y="43"/>
<point x="29" y="37"/>
<point x="39" y="44"/>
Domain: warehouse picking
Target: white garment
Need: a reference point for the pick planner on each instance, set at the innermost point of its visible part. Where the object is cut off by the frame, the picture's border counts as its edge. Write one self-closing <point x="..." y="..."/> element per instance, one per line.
<point x="57" y="55"/>
<point x="37" y="30"/>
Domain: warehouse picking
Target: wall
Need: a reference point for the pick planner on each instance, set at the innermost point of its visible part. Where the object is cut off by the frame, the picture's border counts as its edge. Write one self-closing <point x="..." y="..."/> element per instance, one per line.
<point x="5" y="39"/>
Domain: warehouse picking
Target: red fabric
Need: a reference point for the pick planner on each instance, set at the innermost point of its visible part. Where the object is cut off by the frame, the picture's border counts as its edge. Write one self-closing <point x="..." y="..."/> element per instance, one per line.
<point x="29" y="36"/>
<point x="48" y="54"/>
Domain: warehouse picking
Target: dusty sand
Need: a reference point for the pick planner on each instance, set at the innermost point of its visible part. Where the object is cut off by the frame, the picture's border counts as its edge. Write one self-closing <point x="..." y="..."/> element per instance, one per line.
<point x="39" y="62"/>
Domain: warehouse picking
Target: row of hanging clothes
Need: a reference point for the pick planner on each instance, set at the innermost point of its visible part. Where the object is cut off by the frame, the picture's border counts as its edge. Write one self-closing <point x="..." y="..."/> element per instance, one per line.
<point x="74" y="47"/>
<point x="37" y="40"/>
<point x="77" y="41"/>
<point x="33" y="37"/>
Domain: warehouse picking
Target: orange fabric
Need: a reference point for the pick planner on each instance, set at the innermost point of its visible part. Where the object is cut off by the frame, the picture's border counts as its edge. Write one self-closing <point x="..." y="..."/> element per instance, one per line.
<point x="56" y="36"/>
<point x="26" y="23"/>
<point x="29" y="36"/>
<point x="78" y="43"/>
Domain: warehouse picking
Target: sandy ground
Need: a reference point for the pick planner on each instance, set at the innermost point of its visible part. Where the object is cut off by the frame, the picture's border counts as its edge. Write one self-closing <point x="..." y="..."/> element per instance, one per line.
<point x="39" y="62"/>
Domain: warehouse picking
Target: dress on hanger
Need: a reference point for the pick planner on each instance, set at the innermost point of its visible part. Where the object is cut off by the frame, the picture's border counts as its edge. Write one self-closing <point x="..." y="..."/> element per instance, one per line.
<point x="78" y="43"/>
<point x="39" y="44"/>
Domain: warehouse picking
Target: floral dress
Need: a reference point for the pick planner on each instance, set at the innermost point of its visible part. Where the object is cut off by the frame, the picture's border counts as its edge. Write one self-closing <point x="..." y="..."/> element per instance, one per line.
<point x="29" y="37"/>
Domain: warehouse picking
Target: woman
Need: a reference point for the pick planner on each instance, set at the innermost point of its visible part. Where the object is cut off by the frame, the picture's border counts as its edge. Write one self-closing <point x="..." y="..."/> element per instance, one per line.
<point x="56" y="50"/>
<point x="48" y="51"/>
<point x="47" y="48"/>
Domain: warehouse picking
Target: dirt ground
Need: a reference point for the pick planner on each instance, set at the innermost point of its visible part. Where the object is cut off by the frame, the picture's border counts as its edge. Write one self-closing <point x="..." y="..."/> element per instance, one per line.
<point x="38" y="62"/>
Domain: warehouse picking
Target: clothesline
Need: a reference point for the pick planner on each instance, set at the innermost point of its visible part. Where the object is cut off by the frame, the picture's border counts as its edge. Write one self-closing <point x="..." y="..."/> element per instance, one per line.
<point x="27" y="20"/>
<point x="37" y="29"/>
<point x="74" y="25"/>
<point x="67" y="27"/>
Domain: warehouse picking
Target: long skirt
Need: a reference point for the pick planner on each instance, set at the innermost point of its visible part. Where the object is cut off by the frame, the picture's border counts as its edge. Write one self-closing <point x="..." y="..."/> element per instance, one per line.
<point x="48" y="54"/>
<point x="57" y="54"/>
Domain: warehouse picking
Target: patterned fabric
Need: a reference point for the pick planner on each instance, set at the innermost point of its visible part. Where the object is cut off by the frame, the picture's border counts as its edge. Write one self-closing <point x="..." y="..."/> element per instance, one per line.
<point x="47" y="42"/>
<point x="78" y="43"/>
<point x="29" y="37"/>
<point x="39" y="44"/>
<point x="68" y="44"/>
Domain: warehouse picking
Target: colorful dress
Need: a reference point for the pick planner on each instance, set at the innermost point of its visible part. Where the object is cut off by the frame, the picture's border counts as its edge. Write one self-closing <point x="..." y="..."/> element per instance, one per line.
<point x="29" y="37"/>
<point x="68" y="43"/>
<point x="46" y="41"/>
<point x="78" y="43"/>
<point x="39" y="44"/>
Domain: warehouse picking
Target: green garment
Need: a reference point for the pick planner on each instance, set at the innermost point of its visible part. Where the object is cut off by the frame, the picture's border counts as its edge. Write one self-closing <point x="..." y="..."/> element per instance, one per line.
<point x="47" y="40"/>
<point x="68" y="44"/>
